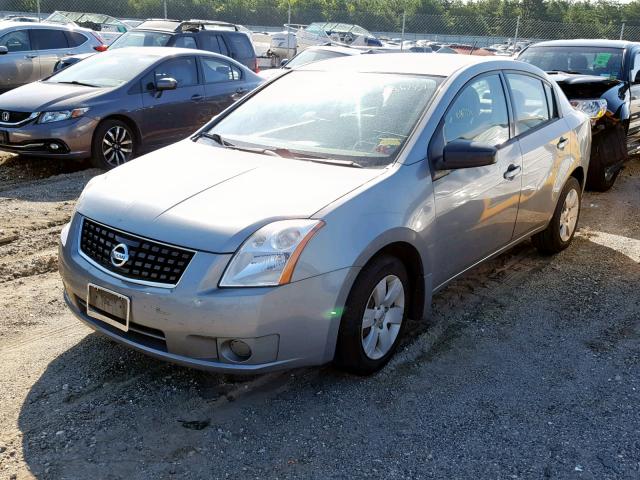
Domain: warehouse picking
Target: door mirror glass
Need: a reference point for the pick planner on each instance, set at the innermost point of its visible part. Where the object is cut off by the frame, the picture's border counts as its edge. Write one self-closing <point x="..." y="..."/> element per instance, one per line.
<point x="3" y="50"/>
<point x="166" y="83"/>
<point x="284" y="62"/>
<point x="635" y="80"/>
<point x="466" y="154"/>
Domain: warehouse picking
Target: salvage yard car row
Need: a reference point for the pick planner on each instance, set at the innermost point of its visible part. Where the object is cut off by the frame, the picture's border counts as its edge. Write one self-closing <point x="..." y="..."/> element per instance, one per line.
<point x="305" y="218"/>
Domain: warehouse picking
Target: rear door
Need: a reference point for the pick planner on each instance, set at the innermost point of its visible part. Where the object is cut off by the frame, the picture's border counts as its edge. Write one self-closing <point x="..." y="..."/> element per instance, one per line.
<point x="51" y="45"/>
<point x="476" y="207"/>
<point x="241" y="49"/>
<point x="213" y="42"/>
<point x="21" y="65"/>
<point x="223" y="84"/>
<point x="545" y="144"/>
<point x="172" y="115"/>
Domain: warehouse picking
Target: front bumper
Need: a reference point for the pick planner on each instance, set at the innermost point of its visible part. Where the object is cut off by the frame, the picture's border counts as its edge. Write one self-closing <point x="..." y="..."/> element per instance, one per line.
<point x="73" y="138"/>
<point x="192" y="323"/>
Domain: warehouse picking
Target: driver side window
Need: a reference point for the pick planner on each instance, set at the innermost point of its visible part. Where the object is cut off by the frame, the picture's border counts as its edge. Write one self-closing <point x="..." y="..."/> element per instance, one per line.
<point x="479" y="113"/>
<point x="16" y="41"/>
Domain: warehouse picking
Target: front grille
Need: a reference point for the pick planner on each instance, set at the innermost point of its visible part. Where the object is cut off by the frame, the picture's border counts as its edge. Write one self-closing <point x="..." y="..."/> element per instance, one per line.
<point x="13" y="117"/>
<point x="148" y="260"/>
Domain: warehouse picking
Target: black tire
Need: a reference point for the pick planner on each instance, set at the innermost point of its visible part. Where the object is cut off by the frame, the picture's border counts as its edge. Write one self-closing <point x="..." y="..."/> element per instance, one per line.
<point x="601" y="180"/>
<point x="124" y="146"/>
<point x="552" y="239"/>
<point x="350" y="351"/>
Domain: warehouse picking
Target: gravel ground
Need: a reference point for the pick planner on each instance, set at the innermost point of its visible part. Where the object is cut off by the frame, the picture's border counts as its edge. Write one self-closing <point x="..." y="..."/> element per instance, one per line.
<point x="528" y="368"/>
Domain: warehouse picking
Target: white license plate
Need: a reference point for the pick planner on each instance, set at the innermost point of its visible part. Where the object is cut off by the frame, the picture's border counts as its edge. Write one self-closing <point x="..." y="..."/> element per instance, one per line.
<point x="108" y="306"/>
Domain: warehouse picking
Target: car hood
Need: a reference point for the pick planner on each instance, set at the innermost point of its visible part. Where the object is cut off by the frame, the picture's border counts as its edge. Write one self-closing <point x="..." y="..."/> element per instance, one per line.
<point x="584" y="86"/>
<point x="45" y="96"/>
<point x="209" y="198"/>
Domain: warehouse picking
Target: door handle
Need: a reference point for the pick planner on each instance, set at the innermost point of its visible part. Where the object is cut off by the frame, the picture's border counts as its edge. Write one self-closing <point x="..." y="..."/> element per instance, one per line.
<point x="30" y="56"/>
<point x="562" y="143"/>
<point x="512" y="172"/>
<point x="197" y="98"/>
<point x="241" y="90"/>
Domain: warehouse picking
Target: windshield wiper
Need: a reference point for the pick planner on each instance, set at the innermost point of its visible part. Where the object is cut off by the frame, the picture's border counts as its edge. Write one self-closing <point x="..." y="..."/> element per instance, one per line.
<point x="226" y="144"/>
<point x="570" y="72"/>
<point x="75" y="82"/>
<point x="279" y="152"/>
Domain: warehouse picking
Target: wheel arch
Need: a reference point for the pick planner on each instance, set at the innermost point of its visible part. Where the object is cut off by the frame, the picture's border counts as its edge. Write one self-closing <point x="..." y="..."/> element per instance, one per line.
<point x="125" y="119"/>
<point x="578" y="174"/>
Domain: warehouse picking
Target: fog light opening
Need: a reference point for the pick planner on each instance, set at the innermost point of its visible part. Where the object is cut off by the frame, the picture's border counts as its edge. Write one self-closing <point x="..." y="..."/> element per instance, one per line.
<point x="54" y="147"/>
<point x="237" y="351"/>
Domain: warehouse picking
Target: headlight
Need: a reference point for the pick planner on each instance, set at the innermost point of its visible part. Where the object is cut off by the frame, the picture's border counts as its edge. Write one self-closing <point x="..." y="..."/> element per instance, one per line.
<point x="48" y="117"/>
<point x="594" y="108"/>
<point x="64" y="234"/>
<point x="268" y="257"/>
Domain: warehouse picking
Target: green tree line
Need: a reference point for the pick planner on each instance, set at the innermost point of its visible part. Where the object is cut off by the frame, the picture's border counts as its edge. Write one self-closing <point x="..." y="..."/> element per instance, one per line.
<point x="480" y="17"/>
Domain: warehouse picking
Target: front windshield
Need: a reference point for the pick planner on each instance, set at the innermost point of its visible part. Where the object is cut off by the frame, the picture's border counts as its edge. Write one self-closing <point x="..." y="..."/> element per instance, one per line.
<point x="141" y="39"/>
<point x="310" y="56"/>
<point x="362" y="118"/>
<point x="599" y="61"/>
<point x="109" y="69"/>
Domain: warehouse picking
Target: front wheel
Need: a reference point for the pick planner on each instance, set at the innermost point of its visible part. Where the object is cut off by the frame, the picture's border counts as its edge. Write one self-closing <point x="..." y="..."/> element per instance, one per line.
<point x="114" y="143"/>
<point x="562" y="227"/>
<point x="374" y="316"/>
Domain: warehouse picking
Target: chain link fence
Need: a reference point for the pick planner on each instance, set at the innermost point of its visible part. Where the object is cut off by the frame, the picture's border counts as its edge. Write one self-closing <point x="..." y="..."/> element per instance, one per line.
<point x="392" y="23"/>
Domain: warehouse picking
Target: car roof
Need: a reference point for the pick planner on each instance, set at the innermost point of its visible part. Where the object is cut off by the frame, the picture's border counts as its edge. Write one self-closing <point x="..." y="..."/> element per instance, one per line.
<point x="586" y="43"/>
<point x="179" y="25"/>
<point x="442" y="64"/>
<point x="32" y="25"/>
<point x="168" y="52"/>
<point x="338" y="49"/>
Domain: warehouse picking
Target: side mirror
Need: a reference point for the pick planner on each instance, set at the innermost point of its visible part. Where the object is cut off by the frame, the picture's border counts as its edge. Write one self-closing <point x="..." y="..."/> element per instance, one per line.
<point x="166" y="83"/>
<point x="635" y="80"/>
<point x="4" y="50"/>
<point x="284" y="62"/>
<point x="466" y="154"/>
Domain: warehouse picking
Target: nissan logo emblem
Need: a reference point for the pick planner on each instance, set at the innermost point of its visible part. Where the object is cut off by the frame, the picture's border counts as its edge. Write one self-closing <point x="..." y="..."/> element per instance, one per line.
<point x="119" y="255"/>
<point x="5" y="116"/>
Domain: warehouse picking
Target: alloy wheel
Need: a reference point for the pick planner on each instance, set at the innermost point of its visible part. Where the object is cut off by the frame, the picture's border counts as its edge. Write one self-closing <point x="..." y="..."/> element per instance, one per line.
<point x="383" y="317"/>
<point x="569" y="215"/>
<point x="117" y="145"/>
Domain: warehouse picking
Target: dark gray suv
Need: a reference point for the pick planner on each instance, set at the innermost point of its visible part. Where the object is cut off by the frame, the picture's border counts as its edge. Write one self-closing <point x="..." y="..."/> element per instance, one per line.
<point x="218" y="37"/>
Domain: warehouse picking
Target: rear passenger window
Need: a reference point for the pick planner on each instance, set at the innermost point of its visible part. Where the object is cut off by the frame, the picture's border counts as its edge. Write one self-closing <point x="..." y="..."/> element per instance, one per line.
<point x="183" y="70"/>
<point x="216" y="71"/>
<point x="45" y="39"/>
<point x="16" y="41"/>
<point x="75" y="39"/>
<point x="185" y="42"/>
<point x="214" y="43"/>
<point x="241" y="45"/>
<point x="529" y="101"/>
<point x="479" y="113"/>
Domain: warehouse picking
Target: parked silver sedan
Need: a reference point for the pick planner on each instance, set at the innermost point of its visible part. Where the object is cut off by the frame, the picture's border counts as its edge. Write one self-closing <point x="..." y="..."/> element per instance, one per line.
<point x="297" y="232"/>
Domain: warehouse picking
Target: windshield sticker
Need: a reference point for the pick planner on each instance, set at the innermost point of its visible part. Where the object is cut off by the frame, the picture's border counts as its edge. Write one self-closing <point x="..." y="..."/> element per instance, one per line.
<point x="602" y="59"/>
<point x="387" y="146"/>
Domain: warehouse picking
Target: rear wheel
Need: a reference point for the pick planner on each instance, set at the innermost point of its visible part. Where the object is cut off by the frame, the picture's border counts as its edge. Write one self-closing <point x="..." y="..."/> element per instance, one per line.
<point x="374" y="316"/>
<point x="114" y="143"/>
<point x="562" y="227"/>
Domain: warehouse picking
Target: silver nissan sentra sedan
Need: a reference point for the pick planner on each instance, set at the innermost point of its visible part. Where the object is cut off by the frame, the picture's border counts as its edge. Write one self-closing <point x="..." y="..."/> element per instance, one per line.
<point x="308" y="221"/>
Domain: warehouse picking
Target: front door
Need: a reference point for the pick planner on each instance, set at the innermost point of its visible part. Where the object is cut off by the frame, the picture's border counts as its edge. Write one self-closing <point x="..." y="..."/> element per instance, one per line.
<point x="476" y="208"/>
<point x="172" y="115"/>
<point x="21" y="64"/>
<point x="634" y="118"/>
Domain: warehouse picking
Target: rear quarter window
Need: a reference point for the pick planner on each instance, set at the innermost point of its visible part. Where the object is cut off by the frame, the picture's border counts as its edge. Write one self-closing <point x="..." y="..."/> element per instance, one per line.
<point x="241" y="45"/>
<point x="75" y="39"/>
